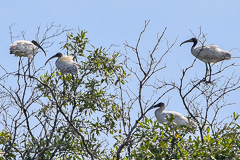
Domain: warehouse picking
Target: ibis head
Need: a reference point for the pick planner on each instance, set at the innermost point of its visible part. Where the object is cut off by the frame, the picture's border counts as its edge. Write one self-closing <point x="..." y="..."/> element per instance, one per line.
<point x="38" y="45"/>
<point x="159" y="105"/>
<point x="59" y="55"/>
<point x="194" y="40"/>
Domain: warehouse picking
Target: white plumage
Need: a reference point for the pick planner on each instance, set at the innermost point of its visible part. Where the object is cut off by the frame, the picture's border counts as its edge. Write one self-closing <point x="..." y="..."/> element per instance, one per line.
<point x="179" y="119"/>
<point x="208" y="54"/>
<point x="23" y="48"/>
<point x="65" y="64"/>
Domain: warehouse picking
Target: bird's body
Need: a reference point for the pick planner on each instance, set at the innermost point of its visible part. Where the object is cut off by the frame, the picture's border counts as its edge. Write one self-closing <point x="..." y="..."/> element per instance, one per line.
<point x="23" y="48"/>
<point x="208" y="54"/>
<point x="179" y="119"/>
<point x="65" y="64"/>
<point x="163" y="116"/>
<point x="211" y="54"/>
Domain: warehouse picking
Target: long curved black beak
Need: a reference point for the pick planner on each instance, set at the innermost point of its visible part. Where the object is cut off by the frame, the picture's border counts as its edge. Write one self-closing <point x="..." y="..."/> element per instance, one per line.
<point x="154" y="106"/>
<point x="38" y="45"/>
<point x="190" y="40"/>
<point x="51" y="58"/>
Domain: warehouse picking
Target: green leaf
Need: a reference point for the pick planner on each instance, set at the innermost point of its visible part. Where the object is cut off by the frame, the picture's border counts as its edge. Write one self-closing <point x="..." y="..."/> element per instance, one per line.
<point x="208" y="129"/>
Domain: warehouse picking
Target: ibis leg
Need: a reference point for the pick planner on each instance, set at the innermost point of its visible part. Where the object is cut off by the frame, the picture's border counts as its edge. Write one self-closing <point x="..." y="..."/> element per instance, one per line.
<point x="205" y="78"/>
<point x="33" y="66"/>
<point x="74" y="84"/>
<point x="29" y="67"/>
<point x="210" y="72"/>
<point x="64" y="85"/>
<point x="19" y="67"/>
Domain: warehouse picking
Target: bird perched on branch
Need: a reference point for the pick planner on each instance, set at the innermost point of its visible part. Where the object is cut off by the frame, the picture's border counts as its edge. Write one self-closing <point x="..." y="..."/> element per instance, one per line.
<point x="179" y="119"/>
<point x="65" y="64"/>
<point x="23" y="48"/>
<point x="208" y="54"/>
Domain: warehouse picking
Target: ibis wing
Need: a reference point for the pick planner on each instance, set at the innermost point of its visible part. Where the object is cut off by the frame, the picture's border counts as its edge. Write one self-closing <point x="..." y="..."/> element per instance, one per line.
<point x="67" y="67"/>
<point x="179" y="119"/>
<point x="23" y="48"/>
<point x="211" y="54"/>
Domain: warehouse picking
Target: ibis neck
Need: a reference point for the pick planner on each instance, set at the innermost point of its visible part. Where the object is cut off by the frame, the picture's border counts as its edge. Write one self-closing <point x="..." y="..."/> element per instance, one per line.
<point x="194" y="44"/>
<point x="161" y="109"/>
<point x="57" y="59"/>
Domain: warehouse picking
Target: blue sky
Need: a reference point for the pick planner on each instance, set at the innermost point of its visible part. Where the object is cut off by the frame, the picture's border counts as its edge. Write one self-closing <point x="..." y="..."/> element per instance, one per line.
<point x="114" y="22"/>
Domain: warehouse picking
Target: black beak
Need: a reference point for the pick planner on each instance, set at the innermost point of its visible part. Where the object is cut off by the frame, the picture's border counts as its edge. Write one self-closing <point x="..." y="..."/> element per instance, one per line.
<point x="155" y="106"/>
<point x="51" y="58"/>
<point x="38" y="45"/>
<point x="190" y="40"/>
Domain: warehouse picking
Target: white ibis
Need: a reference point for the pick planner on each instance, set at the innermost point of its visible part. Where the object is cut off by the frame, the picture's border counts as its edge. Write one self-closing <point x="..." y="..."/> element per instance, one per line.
<point x="23" y="48"/>
<point x="208" y="54"/>
<point x="179" y="119"/>
<point x="66" y="65"/>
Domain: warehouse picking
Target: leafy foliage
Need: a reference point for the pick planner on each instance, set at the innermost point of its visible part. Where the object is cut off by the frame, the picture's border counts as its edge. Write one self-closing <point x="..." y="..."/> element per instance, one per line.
<point x="154" y="141"/>
<point x="88" y="105"/>
<point x="97" y="115"/>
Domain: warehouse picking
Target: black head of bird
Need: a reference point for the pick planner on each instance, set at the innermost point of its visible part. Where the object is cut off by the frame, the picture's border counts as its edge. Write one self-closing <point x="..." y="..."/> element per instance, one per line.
<point x="38" y="45"/>
<point x="159" y="105"/>
<point x="194" y="40"/>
